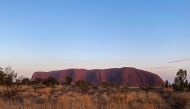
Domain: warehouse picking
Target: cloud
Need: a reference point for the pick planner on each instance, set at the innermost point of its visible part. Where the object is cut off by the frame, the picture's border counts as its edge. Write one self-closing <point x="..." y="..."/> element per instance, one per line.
<point x="180" y="60"/>
<point x="161" y="67"/>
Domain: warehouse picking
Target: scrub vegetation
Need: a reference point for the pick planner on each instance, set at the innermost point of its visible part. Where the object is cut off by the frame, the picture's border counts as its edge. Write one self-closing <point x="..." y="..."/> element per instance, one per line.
<point x="21" y="93"/>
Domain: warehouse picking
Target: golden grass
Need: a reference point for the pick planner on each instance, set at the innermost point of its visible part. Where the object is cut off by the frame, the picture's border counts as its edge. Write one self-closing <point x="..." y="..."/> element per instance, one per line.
<point x="136" y="100"/>
<point x="183" y="98"/>
<point x="74" y="100"/>
<point x="42" y="99"/>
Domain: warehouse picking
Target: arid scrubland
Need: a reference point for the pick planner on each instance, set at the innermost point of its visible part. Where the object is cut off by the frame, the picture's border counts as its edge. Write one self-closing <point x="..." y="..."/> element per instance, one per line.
<point x="67" y="97"/>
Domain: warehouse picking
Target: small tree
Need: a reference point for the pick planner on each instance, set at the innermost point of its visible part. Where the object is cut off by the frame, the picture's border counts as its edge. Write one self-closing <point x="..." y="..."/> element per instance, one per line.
<point x="179" y="82"/>
<point x="2" y="77"/>
<point x="83" y="85"/>
<point x="167" y="84"/>
<point x="50" y="81"/>
<point x="9" y="81"/>
<point x="25" y="81"/>
<point x="68" y="80"/>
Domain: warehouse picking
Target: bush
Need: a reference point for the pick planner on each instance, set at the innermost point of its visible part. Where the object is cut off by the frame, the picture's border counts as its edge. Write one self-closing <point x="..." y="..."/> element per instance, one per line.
<point x="50" y="81"/>
<point x="167" y="84"/>
<point x="83" y="85"/>
<point x="68" y="80"/>
<point x="25" y="81"/>
<point x="9" y="81"/>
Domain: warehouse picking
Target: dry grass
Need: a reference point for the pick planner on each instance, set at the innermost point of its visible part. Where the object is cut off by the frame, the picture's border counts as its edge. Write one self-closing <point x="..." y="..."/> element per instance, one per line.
<point x="56" y="98"/>
<point x="183" y="98"/>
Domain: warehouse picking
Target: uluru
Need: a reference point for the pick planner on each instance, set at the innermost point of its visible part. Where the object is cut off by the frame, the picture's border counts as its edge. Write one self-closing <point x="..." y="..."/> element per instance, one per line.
<point x="121" y="76"/>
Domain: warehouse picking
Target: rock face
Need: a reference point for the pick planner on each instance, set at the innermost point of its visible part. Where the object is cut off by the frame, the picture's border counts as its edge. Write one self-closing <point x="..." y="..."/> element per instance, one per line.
<point x="122" y="76"/>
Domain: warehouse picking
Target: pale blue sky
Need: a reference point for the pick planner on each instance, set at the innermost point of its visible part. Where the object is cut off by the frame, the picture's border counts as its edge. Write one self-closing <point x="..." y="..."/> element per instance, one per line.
<point x="47" y="34"/>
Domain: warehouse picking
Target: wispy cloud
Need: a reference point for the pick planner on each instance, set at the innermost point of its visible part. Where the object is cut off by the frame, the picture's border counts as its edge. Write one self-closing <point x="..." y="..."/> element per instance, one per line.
<point x="180" y="60"/>
<point x="161" y="67"/>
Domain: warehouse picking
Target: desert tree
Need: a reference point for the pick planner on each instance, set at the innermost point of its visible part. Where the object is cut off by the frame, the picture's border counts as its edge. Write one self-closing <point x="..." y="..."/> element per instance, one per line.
<point x="9" y="81"/>
<point x="25" y="81"/>
<point x="83" y="85"/>
<point x="2" y="77"/>
<point x="180" y="80"/>
<point x="167" y="84"/>
<point x="68" y="80"/>
<point x="50" y="81"/>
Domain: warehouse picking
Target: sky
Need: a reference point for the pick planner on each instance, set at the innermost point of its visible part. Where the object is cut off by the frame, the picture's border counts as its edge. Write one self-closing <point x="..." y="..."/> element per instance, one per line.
<point x="45" y="35"/>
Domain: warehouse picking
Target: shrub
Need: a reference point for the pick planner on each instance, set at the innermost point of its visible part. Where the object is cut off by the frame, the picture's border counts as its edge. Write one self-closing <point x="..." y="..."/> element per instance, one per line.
<point x="167" y="84"/>
<point x="9" y="81"/>
<point x="83" y="85"/>
<point x="50" y="81"/>
<point x="25" y="81"/>
<point x="68" y="80"/>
